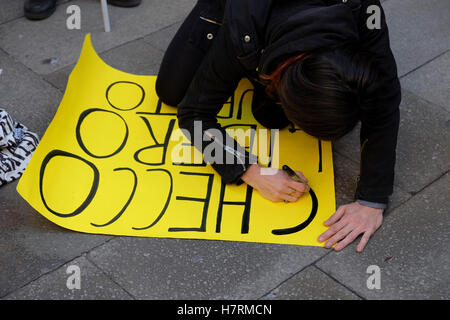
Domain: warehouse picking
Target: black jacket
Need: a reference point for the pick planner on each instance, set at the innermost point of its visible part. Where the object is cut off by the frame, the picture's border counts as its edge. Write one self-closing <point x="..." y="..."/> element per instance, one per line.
<point x="257" y="34"/>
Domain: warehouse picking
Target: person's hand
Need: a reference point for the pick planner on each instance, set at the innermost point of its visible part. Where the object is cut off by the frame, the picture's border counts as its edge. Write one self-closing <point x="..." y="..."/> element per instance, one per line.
<point x="274" y="184"/>
<point x="348" y="222"/>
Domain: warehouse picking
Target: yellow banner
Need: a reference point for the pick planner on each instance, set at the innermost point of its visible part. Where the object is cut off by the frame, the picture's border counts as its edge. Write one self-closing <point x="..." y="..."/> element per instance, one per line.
<point x="113" y="161"/>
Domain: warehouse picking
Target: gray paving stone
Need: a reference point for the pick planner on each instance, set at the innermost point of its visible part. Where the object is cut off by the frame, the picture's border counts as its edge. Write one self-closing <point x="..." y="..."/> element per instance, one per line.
<point x="418" y="31"/>
<point x="345" y="173"/>
<point x="410" y="249"/>
<point x="135" y="57"/>
<point x="311" y="284"/>
<point x="162" y="38"/>
<point x="28" y="98"/>
<point x="30" y="43"/>
<point x="30" y="245"/>
<point x="94" y="285"/>
<point x="155" y="268"/>
<point x="10" y="10"/>
<point x="349" y="145"/>
<point x="422" y="149"/>
<point x="432" y="81"/>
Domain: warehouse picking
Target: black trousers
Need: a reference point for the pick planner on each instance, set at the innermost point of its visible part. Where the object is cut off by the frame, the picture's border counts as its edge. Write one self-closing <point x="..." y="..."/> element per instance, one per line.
<point x="183" y="58"/>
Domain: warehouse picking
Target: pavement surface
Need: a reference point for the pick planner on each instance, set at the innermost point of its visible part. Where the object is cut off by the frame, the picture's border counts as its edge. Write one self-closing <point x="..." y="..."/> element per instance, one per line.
<point x="411" y="248"/>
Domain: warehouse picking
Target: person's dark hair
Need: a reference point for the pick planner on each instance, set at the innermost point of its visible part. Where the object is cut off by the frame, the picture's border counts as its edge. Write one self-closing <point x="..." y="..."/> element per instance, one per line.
<point x="322" y="92"/>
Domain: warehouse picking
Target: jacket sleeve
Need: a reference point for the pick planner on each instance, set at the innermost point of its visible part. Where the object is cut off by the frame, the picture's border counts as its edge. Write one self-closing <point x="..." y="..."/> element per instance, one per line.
<point x="214" y="82"/>
<point x="380" y="114"/>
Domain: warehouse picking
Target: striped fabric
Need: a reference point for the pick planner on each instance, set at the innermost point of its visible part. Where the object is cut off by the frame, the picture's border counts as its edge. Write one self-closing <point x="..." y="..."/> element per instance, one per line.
<point x="17" y="145"/>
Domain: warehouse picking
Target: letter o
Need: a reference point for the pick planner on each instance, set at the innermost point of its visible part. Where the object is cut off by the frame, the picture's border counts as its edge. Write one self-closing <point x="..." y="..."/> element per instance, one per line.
<point x="129" y="83"/>
<point x="80" y="140"/>
<point x="92" y="192"/>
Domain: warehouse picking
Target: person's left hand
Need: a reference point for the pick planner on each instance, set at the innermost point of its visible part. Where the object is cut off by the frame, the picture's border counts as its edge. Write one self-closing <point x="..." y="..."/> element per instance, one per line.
<point x="348" y="222"/>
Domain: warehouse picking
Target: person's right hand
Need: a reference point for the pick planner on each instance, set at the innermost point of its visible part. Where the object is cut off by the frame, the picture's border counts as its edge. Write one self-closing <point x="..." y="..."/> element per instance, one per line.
<point x="277" y="186"/>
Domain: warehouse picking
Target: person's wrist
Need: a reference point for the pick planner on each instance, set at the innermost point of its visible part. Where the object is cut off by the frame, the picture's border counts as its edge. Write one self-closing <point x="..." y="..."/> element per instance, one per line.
<point x="250" y="174"/>
<point x="370" y="208"/>
<point x="370" y="204"/>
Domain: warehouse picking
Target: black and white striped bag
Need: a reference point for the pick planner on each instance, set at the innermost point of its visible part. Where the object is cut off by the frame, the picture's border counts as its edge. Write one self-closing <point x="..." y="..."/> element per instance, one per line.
<point x="17" y="145"/>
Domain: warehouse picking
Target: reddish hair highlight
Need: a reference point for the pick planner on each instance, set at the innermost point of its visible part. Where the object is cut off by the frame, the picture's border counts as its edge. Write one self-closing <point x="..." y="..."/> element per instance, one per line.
<point x="273" y="80"/>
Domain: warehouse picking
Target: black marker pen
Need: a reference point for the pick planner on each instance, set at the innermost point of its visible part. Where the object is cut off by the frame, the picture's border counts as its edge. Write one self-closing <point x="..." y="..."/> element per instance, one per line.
<point x="293" y="175"/>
